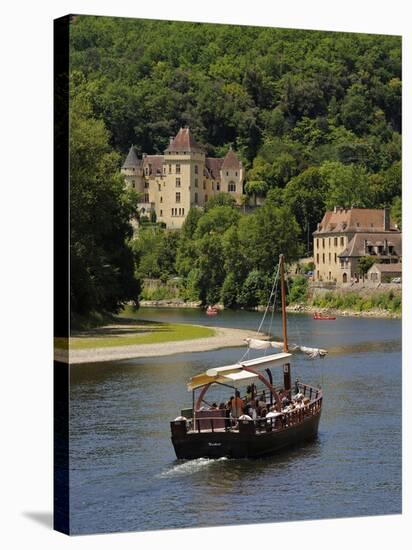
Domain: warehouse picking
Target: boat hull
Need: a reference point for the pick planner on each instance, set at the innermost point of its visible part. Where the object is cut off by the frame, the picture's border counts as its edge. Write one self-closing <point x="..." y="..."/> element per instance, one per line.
<point x="233" y="444"/>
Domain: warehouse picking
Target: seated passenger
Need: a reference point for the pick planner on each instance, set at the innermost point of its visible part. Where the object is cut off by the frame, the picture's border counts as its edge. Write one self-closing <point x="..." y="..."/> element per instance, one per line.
<point x="222" y="406"/>
<point x="244" y="417"/>
<point x="213" y="407"/>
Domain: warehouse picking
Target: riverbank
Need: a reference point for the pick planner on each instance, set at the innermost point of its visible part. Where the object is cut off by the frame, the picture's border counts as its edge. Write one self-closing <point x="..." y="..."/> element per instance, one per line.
<point x="220" y="338"/>
<point x="293" y="308"/>
<point x="372" y="313"/>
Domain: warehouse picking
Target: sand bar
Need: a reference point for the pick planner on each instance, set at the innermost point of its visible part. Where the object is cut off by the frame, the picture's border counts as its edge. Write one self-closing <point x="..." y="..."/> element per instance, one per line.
<point x="223" y="338"/>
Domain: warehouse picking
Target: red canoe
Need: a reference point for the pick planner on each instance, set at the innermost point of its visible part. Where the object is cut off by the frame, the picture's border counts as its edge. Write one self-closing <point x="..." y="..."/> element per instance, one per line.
<point x="320" y="317"/>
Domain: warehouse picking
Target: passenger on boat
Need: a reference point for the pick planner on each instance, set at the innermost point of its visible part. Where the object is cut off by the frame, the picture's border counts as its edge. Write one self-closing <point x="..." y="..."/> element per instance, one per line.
<point x="222" y="406"/>
<point x="236" y="405"/>
<point x="214" y="407"/>
<point x="251" y="409"/>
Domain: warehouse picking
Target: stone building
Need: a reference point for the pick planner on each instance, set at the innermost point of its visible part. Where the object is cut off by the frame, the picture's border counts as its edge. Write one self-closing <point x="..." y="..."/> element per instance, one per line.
<point x="182" y="178"/>
<point x="346" y="235"/>
<point x="385" y="273"/>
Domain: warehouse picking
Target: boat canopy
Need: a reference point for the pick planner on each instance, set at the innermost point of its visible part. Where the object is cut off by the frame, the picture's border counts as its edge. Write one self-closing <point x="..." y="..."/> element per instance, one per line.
<point x="237" y="372"/>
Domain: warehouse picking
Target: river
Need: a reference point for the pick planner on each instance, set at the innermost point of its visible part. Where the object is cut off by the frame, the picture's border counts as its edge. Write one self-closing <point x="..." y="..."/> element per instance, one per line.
<point x="123" y="472"/>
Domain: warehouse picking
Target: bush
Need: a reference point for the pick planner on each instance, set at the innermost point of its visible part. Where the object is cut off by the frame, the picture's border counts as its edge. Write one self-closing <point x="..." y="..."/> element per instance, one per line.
<point x="298" y="291"/>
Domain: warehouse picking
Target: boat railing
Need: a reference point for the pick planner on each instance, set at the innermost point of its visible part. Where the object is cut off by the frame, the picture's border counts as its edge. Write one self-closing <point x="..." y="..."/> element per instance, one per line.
<point x="279" y="422"/>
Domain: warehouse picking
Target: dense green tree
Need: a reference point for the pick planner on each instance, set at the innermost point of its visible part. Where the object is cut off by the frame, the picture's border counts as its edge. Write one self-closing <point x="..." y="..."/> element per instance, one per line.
<point x="101" y="260"/>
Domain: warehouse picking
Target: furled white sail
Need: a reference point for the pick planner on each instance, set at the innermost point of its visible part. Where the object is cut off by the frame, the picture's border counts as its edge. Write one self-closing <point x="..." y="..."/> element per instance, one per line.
<point x="255" y="343"/>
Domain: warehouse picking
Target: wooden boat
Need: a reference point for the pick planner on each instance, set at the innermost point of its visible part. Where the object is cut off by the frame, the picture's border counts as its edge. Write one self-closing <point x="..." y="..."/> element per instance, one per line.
<point x="228" y="432"/>
<point x="320" y="317"/>
<point x="212" y="310"/>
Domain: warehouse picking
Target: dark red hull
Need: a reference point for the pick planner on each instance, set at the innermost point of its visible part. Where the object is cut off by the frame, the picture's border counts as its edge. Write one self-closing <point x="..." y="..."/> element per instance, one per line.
<point x="244" y="444"/>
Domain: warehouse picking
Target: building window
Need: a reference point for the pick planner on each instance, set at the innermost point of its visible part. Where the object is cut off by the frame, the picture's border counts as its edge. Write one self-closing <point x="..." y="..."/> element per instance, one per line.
<point x="318" y="276"/>
<point x="164" y="169"/>
<point x="329" y="242"/>
<point x="330" y="258"/>
<point x="323" y="258"/>
<point x="146" y="171"/>
<point x="146" y="184"/>
<point x="323" y="243"/>
<point x="217" y="186"/>
<point x="150" y="168"/>
<point x="180" y="211"/>
<point x="159" y="186"/>
<point x="335" y="241"/>
<point x="317" y="258"/>
<point x="317" y="243"/>
<point x="196" y="198"/>
<point x="342" y="241"/>
<point x="235" y="173"/>
<point x="183" y="211"/>
<point x="196" y="182"/>
<point x="177" y="182"/>
<point x="227" y="173"/>
<point x="170" y="168"/>
<point x="146" y="197"/>
<point x="232" y="187"/>
<point x="161" y="212"/>
<point x="336" y="258"/>
<point x="177" y="197"/>
<point x="196" y="169"/>
<point x="177" y="168"/>
<point x="161" y="199"/>
<point x="206" y="197"/>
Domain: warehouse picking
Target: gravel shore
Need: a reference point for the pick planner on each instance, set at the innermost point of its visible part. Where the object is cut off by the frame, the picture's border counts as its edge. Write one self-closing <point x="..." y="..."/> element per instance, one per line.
<point x="223" y="338"/>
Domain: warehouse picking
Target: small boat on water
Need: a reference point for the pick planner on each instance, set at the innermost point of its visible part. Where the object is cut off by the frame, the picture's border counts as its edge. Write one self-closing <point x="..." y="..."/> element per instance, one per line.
<point x="255" y="422"/>
<point x="321" y="317"/>
<point x="212" y="310"/>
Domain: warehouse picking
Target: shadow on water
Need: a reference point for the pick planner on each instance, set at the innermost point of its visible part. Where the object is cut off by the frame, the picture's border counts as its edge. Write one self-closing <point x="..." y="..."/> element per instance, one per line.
<point x="367" y="347"/>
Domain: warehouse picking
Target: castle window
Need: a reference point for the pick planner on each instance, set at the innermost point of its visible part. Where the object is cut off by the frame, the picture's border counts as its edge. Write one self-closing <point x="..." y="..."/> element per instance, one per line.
<point x="196" y="198"/>
<point x="217" y="186"/>
<point x="196" y="182"/>
<point x="146" y="197"/>
<point x="336" y="258"/>
<point x="161" y="212"/>
<point x="335" y="241"/>
<point x="183" y="211"/>
<point x="146" y="184"/>
<point x="177" y="197"/>
<point x="317" y="243"/>
<point x="342" y="241"/>
<point x="177" y="168"/>
<point x="330" y="257"/>
<point x="177" y="182"/>
<point x="159" y="186"/>
<point x="329" y="242"/>
<point x="150" y="168"/>
<point x="196" y="169"/>
<point x="235" y="173"/>
<point x="146" y="171"/>
<point x="323" y="243"/>
<point x="133" y="169"/>
<point x="170" y="168"/>
<point x="323" y="258"/>
<point x="227" y="173"/>
<point x="232" y="187"/>
<point x="164" y="169"/>
<point x="317" y="258"/>
<point x="161" y="199"/>
<point x="180" y="211"/>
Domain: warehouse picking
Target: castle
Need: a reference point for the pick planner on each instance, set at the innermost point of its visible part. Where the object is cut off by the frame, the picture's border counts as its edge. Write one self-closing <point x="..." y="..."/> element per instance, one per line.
<point x="182" y="178"/>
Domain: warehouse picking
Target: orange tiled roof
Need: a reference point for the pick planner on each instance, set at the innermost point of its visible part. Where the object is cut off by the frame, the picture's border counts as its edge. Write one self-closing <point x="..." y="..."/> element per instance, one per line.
<point x="353" y="220"/>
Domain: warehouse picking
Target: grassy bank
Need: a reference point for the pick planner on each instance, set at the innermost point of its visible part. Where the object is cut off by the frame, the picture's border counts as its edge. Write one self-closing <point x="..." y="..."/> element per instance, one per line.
<point x="387" y="301"/>
<point x="134" y="332"/>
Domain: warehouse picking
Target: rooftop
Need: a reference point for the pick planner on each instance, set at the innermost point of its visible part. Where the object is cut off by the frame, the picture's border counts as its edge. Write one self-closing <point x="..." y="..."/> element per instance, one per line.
<point x="351" y="220"/>
<point x="184" y="141"/>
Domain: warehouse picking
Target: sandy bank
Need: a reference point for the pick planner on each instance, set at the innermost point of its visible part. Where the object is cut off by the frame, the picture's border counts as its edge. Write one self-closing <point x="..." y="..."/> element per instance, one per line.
<point x="224" y="338"/>
<point x="374" y="313"/>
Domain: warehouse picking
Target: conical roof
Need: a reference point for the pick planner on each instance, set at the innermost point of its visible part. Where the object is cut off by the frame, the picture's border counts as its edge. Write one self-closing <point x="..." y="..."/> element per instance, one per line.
<point x="131" y="160"/>
<point x="184" y="141"/>
<point x="230" y="161"/>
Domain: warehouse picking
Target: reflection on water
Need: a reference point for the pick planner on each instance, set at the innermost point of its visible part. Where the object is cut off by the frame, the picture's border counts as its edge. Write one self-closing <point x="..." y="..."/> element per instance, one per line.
<point x="125" y="476"/>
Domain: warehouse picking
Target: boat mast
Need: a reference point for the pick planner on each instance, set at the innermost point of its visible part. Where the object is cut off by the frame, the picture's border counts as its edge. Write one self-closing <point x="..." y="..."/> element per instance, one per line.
<point x="283" y="294"/>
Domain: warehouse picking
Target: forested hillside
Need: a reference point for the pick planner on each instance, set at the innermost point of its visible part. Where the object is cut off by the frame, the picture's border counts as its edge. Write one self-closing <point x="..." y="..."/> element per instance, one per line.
<point x="314" y="116"/>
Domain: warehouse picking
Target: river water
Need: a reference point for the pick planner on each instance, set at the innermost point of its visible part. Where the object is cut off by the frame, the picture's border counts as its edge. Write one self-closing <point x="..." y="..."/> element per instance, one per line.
<point x="123" y="472"/>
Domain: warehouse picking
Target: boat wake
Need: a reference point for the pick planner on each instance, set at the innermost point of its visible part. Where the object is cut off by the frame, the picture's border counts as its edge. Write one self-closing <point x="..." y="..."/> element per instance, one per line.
<point x="190" y="467"/>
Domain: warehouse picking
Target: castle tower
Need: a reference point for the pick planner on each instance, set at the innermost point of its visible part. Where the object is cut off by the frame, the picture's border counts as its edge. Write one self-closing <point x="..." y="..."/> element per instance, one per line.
<point x="184" y="165"/>
<point x="231" y="176"/>
<point x="132" y="171"/>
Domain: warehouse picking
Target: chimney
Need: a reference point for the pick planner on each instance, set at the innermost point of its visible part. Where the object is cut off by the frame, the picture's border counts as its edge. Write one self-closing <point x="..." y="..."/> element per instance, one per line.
<point x="386" y="219"/>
